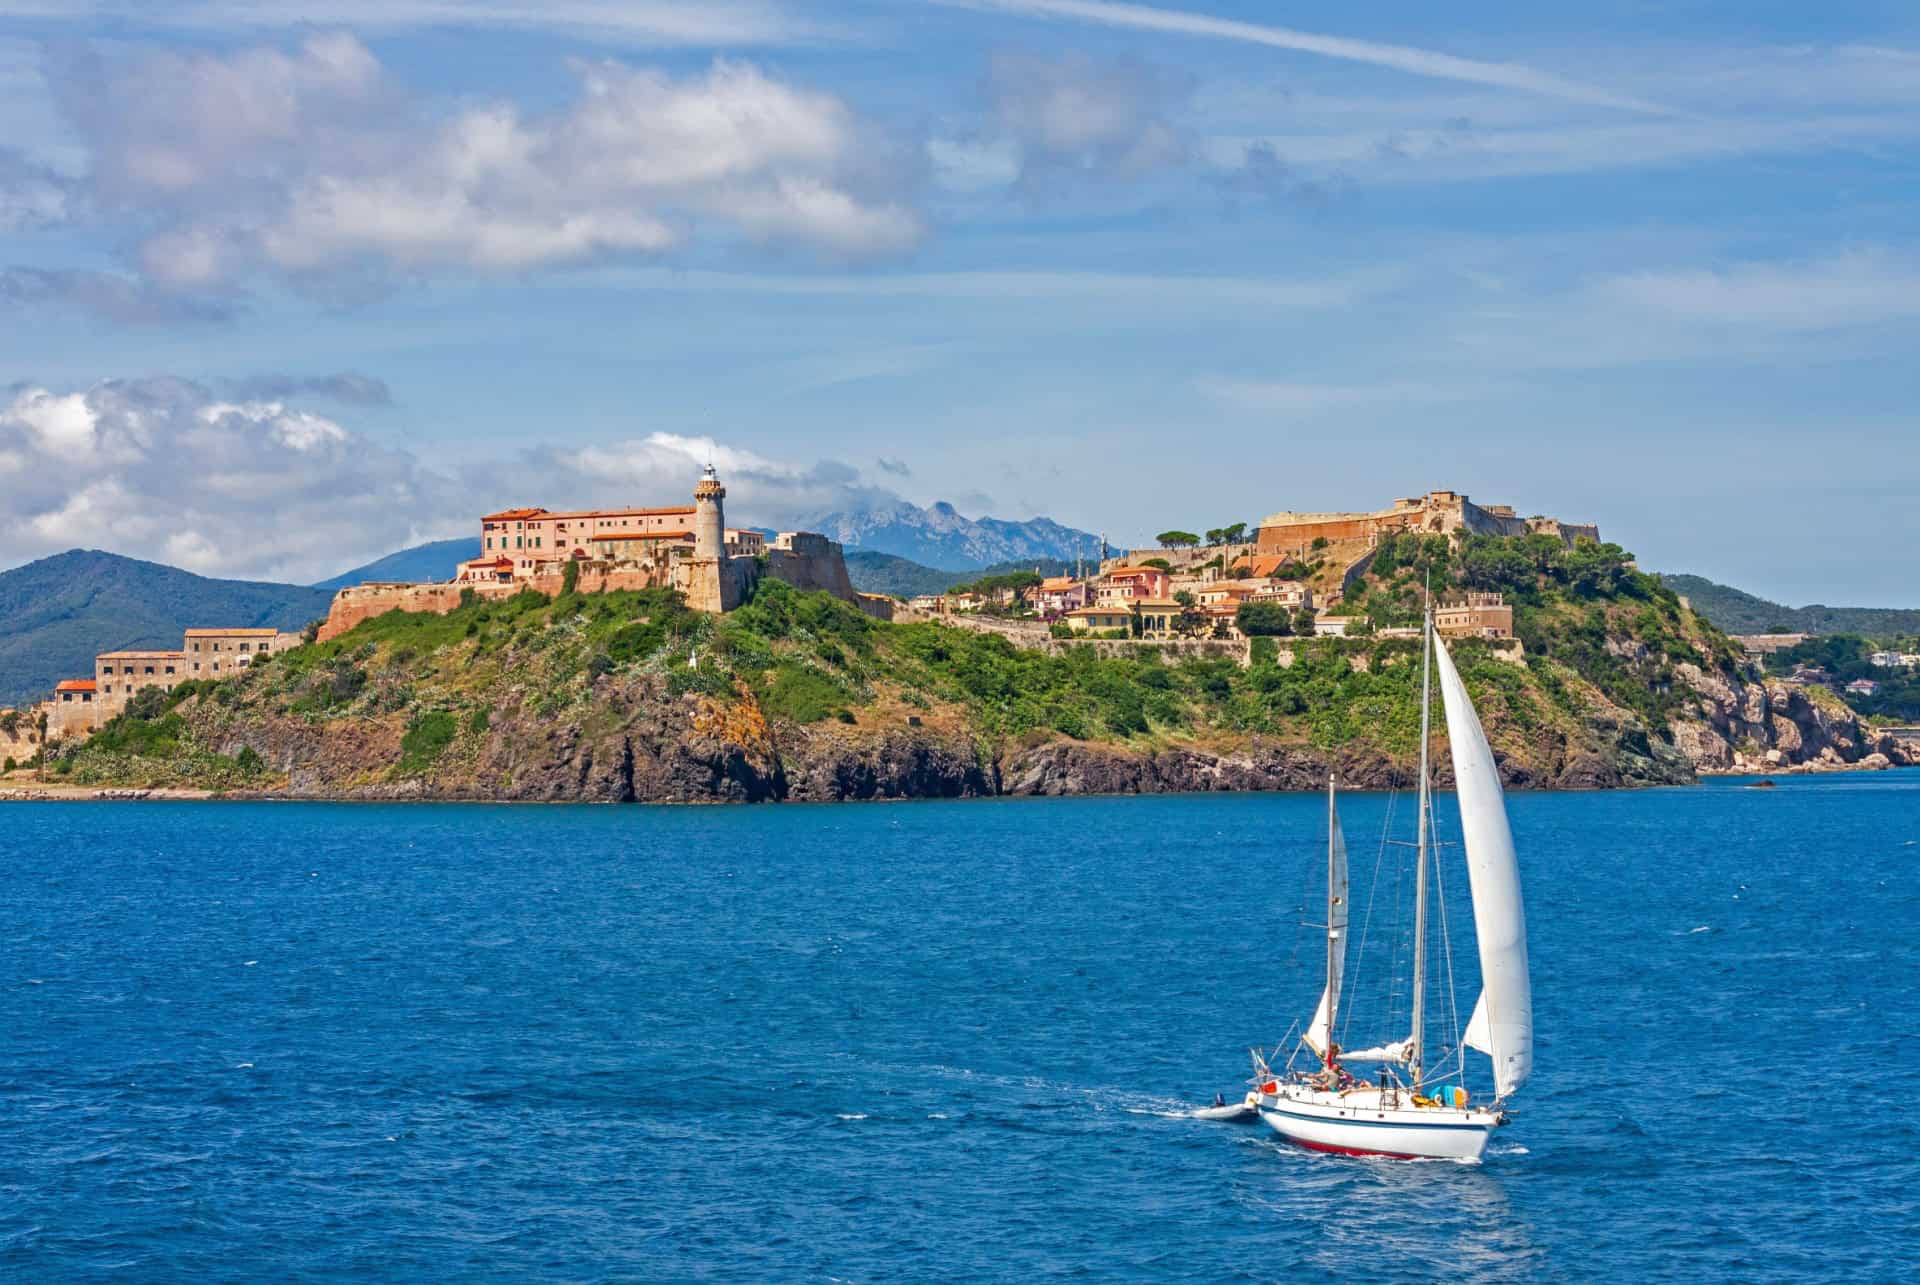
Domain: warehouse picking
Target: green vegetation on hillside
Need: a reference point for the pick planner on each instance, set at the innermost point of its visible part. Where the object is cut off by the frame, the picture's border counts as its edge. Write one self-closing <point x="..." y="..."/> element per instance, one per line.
<point x="1583" y="610"/>
<point x="902" y="578"/>
<point x="1846" y="658"/>
<point x="56" y="614"/>
<point x="1739" y="612"/>
<point x="441" y="684"/>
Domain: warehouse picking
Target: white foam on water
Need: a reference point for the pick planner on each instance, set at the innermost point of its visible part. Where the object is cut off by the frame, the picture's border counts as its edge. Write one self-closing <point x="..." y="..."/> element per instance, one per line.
<point x="1703" y="928"/>
<point x="938" y="1115"/>
<point x="849" y="1117"/>
<point x="250" y="963"/>
<point x="243" y="1066"/>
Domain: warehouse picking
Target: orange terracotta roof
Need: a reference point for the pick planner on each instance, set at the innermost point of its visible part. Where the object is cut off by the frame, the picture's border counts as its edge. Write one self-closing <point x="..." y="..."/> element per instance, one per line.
<point x="1098" y="611"/>
<point x="624" y="513"/>
<point x="141" y="655"/>
<point x="511" y="515"/>
<point x="1136" y="571"/>
<point x="76" y="685"/>
<point x="641" y="535"/>
<point x="502" y="561"/>
<point x="232" y="633"/>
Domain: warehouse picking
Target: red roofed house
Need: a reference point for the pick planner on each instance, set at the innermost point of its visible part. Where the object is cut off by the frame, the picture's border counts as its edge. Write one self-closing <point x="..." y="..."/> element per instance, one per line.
<point x="75" y="713"/>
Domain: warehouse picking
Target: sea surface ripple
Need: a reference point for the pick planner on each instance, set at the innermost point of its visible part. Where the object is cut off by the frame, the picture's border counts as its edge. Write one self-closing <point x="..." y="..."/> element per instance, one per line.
<point x="305" y="1041"/>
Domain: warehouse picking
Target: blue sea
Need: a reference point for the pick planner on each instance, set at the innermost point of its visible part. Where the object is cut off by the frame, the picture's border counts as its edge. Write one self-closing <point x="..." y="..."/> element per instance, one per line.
<point x="957" y="1040"/>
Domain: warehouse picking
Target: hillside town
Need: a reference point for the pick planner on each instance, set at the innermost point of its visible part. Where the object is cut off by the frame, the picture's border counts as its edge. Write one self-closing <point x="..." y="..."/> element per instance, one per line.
<point x="1290" y="577"/>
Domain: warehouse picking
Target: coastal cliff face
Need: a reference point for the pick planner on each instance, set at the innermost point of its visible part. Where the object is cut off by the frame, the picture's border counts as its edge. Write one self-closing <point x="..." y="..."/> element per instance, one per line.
<point x="617" y="698"/>
<point x="1756" y="725"/>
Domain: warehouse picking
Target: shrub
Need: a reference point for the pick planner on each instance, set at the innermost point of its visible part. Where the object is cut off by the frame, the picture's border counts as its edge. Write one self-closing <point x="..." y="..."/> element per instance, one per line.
<point x="9" y="766"/>
<point x="1263" y="619"/>
<point x="801" y="695"/>
<point x="426" y="737"/>
<point x="248" y="761"/>
<point x="479" y="720"/>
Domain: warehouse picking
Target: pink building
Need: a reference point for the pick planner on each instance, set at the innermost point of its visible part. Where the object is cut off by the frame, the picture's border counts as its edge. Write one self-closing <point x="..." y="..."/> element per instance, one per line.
<point x="1057" y="595"/>
<point x="1125" y="584"/>
<point x="530" y="536"/>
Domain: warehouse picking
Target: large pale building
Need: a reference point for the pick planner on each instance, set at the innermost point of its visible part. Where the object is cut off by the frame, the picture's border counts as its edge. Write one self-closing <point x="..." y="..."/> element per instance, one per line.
<point x="687" y="547"/>
<point x="81" y="707"/>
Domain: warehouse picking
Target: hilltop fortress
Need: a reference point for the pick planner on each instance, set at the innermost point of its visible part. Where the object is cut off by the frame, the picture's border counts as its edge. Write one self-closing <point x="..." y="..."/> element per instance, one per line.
<point x="689" y="548"/>
<point x="1437" y="512"/>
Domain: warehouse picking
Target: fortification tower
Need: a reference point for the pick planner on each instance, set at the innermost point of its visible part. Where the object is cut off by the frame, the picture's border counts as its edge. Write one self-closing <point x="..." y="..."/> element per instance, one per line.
<point x="709" y="519"/>
<point x="707" y="577"/>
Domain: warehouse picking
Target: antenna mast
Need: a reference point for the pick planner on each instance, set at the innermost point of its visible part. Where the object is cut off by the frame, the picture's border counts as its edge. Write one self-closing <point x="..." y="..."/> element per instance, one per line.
<point x="1417" y="1054"/>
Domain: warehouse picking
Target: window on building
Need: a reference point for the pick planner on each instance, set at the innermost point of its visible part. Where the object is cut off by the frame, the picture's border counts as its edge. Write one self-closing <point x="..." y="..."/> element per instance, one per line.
<point x="86" y="698"/>
<point x="196" y="666"/>
<point x="108" y="689"/>
<point x="216" y="666"/>
<point x="243" y="646"/>
<point x="169" y="669"/>
<point x="66" y="696"/>
<point x="149" y="669"/>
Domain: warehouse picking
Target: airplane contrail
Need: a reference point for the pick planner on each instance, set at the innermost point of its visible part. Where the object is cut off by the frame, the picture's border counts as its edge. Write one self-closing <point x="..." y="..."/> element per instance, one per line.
<point x="1419" y="62"/>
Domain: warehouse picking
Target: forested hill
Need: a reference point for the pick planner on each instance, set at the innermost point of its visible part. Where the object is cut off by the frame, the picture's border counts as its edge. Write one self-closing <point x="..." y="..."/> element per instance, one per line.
<point x="903" y="578"/>
<point x="58" y="613"/>
<point x="1739" y="612"/>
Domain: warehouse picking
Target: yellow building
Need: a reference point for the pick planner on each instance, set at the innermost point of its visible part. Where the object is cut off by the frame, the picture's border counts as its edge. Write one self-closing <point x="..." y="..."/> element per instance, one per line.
<point x="1096" y="620"/>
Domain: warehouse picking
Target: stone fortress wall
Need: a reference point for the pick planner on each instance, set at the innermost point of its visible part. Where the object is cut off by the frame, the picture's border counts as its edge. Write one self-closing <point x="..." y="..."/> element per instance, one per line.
<point x="1436" y="512"/>
<point x="702" y="567"/>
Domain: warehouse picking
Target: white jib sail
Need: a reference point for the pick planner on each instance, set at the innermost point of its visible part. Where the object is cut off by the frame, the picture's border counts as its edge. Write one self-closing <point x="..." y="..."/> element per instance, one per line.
<point x="1502" y="1022"/>
<point x="1317" y="1032"/>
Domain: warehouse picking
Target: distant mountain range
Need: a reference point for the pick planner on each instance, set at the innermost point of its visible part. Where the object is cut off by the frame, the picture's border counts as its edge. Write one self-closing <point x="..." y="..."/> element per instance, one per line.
<point x="435" y="561"/>
<point x="885" y="573"/>
<point x="940" y="537"/>
<point x="1739" y="612"/>
<point x="58" y="613"/>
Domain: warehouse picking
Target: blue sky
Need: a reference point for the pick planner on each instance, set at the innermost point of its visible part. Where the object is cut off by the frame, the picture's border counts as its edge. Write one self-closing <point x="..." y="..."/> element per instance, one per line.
<point x="284" y="286"/>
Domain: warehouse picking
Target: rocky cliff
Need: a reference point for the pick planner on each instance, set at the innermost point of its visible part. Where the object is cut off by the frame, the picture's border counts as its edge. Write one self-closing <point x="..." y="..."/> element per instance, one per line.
<point x="623" y="697"/>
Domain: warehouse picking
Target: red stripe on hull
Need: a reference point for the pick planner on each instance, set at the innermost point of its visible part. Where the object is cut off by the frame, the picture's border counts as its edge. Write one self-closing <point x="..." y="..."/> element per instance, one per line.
<point x="1330" y="1149"/>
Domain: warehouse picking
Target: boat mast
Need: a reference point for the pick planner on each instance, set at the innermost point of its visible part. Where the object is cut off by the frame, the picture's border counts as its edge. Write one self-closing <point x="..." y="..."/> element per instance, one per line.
<point x="1416" y="1053"/>
<point x="1333" y="934"/>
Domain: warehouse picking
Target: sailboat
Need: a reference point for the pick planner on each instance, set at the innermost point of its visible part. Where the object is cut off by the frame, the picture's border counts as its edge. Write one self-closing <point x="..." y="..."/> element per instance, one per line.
<point x="1407" y="1111"/>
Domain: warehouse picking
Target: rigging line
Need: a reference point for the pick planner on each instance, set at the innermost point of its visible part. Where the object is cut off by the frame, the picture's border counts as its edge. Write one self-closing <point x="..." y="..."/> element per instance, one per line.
<point x="1366" y="922"/>
<point x="1446" y="948"/>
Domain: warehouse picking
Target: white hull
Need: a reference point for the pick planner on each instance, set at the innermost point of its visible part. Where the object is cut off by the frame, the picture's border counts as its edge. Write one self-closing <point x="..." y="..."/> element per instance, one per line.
<point x="1360" y="1123"/>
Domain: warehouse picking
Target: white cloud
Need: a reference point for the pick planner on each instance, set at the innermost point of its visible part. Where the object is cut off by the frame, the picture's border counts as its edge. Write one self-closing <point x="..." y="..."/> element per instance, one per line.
<point x="315" y="162"/>
<point x="263" y="488"/>
<point x="1073" y="114"/>
<point x="162" y="469"/>
<point x="760" y="490"/>
<point x="1419" y="62"/>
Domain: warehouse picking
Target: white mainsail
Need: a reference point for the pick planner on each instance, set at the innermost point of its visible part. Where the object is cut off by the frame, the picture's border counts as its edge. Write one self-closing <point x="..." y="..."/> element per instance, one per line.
<point x="1318" y="1031"/>
<point x="1502" y="1022"/>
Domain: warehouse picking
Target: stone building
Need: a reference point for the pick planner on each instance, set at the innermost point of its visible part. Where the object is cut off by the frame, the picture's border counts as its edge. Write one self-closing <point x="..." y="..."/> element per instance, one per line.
<point x="75" y="713"/>
<point x="1436" y="512"/>
<point x="689" y="548"/>
<point x="1473" y="615"/>
<point x="117" y="675"/>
